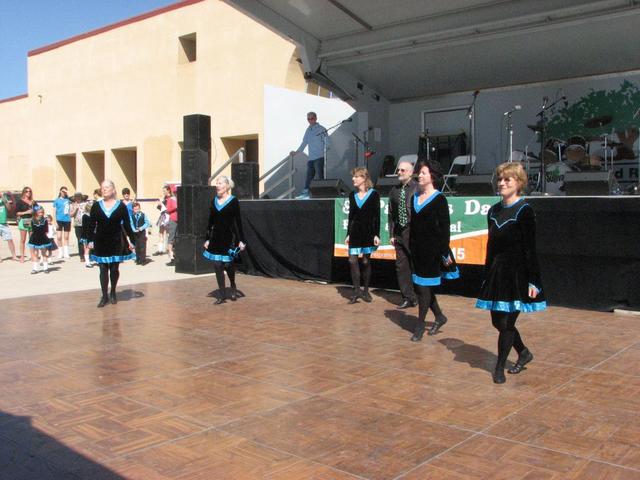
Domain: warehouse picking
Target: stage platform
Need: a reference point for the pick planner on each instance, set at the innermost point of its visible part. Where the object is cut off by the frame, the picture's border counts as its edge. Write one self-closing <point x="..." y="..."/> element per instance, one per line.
<point x="290" y="382"/>
<point x="589" y="248"/>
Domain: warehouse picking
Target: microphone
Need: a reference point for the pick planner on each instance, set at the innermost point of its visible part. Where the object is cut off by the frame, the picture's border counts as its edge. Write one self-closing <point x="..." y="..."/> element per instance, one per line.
<point x="545" y="100"/>
<point x="515" y="108"/>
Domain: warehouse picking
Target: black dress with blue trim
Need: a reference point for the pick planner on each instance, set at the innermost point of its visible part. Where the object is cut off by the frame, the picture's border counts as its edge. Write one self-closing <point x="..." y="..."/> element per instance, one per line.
<point x="364" y="222"/>
<point x="108" y="230"/>
<point x="512" y="264"/>
<point x="86" y="225"/>
<point x="224" y="230"/>
<point x="38" y="238"/>
<point x="429" y="235"/>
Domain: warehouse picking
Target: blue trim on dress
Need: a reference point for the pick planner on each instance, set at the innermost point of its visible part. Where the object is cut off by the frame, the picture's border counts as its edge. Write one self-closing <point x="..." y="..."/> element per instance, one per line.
<point x="364" y="250"/>
<point x="451" y="275"/>
<point x="217" y="258"/>
<point x="361" y="202"/>
<point x="39" y="247"/>
<point x="515" y="217"/>
<point x="112" y="259"/>
<point x="515" y="306"/>
<point x="419" y="206"/>
<point x="220" y="206"/>
<point x="104" y="209"/>
<point x="426" y="281"/>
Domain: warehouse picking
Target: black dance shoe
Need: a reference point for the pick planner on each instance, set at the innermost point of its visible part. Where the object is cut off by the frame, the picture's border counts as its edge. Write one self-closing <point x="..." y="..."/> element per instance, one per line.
<point x="103" y="301"/>
<point x="525" y="357"/>
<point x="439" y="322"/>
<point x="234" y="295"/>
<point x="366" y="296"/>
<point x="406" y="303"/>
<point x="498" y="376"/>
<point x="112" y="298"/>
<point x="354" y="298"/>
<point x="418" y="332"/>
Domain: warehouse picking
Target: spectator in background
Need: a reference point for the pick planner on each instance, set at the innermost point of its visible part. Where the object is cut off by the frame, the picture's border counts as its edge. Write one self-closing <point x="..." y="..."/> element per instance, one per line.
<point x="97" y="194"/>
<point x="62" y="207"/>
<point x="171" y="205"/>
<point x="5" y="232"/>
<point x="24" y="215"/>
<point x="77" y="210"/>
<point x="139" y="225"/>
<point x="126" y="199"/>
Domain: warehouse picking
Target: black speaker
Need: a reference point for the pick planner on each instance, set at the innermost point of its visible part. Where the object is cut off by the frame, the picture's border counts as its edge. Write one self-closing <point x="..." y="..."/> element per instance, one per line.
<point x="385" y="184"/>
<point x="197" y="132"/>
<point x="194" y="202"/>
<point x="329" y="188"/>
<point x="245" y="176"/>
<point x="188" y="254"/>
<point x="481" y="185"/>
<point x="195" y="167"/>
<point x="588" y="183"/>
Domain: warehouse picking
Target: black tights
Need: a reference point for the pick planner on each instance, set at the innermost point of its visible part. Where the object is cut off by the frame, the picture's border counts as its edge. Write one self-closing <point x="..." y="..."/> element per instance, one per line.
<point x="427" y="300"/>
<point x="219" y="268"/>
<point x="505" y="323"/>
<point x="109" y="270"/>
<point x="355" y="266"/>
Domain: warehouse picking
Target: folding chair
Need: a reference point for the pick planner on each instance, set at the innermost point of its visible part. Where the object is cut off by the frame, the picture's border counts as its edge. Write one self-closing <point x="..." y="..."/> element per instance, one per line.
<point x="461" y="161"/>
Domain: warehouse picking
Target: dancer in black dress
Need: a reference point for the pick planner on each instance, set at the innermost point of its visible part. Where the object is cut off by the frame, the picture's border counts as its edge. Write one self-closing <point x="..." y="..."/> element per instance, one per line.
<point x="512" y="276"/>
<point x="109" y="221"/>
<point x="39" y="242"/>
<point x="429" y="245"/>
<point x="363" y="231"/>
<point x="225" y="238"/>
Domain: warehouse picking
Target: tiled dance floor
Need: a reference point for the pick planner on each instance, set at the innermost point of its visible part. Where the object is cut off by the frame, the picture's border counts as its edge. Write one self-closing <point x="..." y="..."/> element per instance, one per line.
<point x="290" y="382"/>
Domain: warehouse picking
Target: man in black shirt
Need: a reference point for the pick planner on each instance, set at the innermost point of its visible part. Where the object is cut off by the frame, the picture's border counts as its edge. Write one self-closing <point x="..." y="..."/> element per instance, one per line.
<point x="400" y="199"/>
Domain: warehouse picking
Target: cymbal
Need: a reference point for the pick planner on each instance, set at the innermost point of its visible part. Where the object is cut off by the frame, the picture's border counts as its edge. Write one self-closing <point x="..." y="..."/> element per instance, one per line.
<point x="598" y="121"/>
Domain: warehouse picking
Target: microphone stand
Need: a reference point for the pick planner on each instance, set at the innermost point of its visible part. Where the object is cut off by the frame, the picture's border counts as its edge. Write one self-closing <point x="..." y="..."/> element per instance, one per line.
<point x="543" y="130"/>
<point x="357" y="141"/>
<point x="471" y="114"/>
<point x="510" y="130"/>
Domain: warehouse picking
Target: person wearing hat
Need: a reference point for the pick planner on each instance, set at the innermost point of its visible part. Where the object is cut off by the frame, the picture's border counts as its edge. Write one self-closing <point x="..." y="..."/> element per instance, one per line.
<point x="76" y="212"/>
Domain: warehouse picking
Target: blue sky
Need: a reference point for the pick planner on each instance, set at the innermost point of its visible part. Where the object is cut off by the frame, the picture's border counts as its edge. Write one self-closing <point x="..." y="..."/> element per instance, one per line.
<point x="29" y="24"/>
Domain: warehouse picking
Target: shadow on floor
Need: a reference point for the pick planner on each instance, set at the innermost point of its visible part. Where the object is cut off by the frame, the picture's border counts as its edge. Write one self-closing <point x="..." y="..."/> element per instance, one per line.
<point x="472" y="355"/>
<point x="129" y="294"/>
<point x="403" y="319"/>
<point x="26" y="453"/>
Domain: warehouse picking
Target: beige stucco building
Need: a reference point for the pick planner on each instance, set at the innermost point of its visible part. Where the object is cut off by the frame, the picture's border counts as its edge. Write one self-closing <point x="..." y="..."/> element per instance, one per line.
<point x="110" y="103"/>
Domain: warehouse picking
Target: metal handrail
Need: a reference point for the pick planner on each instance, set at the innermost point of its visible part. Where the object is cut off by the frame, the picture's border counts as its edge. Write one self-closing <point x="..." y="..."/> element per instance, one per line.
<point x="288" y="177"/>
<point x="239" y="153"/>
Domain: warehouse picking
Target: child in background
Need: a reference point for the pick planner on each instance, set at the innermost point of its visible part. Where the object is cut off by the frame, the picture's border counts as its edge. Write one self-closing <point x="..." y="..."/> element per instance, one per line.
<point x="52" y="231"/>
<point x="39" y="242"/>
<point x="84" y="239"/>
<point x="139" y="224"/>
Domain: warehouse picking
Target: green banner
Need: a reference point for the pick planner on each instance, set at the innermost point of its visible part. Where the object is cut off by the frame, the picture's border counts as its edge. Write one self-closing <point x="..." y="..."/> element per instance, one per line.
<point x="468" y="228"/>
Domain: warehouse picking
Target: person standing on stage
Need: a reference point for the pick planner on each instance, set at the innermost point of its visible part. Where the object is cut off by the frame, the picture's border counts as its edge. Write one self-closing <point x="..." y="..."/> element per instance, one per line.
<point x="62" y="206"/>
<point x="429" y="245"/>
<point x="363" y="231"/>
<point x="512" y="281"/>
<point x="139" y="224"/>
<point x="399" y="221"/>
<point x="39" y="242"/>
<point x="225" y="238"/>
<point x="109" y="216"/>
<point x="314" y="137"/>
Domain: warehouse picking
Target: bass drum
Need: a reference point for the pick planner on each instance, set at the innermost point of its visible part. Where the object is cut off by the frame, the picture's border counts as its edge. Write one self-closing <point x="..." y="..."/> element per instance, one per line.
<point x="554" y="175"/>
<point x="576" y="151"/>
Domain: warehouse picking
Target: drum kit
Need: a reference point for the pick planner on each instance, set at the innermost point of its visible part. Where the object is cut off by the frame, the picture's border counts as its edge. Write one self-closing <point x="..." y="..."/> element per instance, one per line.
<point x="575" y="154"/>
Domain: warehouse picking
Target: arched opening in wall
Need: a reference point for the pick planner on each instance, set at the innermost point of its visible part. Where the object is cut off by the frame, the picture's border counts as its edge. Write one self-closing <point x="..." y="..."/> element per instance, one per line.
<point x="92" y="170"/>
<point x="124" y="169"/>
<point x="66" y="171"/>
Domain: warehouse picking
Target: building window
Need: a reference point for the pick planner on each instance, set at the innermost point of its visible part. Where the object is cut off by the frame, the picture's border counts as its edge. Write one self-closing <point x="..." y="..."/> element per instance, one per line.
<point x="188" y="48"/>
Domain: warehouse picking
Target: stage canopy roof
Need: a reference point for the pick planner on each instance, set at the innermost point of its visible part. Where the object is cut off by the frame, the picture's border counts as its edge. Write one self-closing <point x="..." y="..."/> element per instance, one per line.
<point x="406" y="49"/>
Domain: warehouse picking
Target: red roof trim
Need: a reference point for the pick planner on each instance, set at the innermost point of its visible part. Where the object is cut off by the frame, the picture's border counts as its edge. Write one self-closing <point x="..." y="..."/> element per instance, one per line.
<point x="113" y="26"/>
<point x="11" y="99"/>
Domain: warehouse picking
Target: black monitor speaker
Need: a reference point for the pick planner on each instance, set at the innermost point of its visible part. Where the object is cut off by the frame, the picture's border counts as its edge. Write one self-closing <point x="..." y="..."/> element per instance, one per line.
<point x="385" y="184"/>
<point x="329" y="188"/>
<point x="481" y="185"/>
<point x="245" y="177"/>
<point x="197" y="132"/>
<point x="588" y="183"/>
